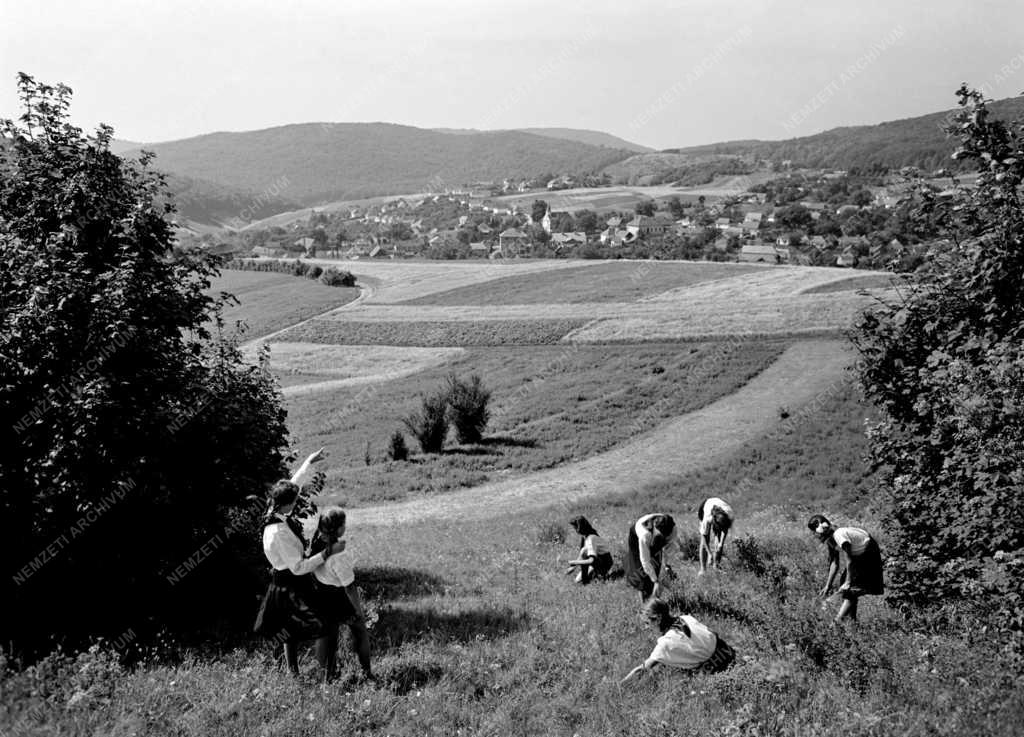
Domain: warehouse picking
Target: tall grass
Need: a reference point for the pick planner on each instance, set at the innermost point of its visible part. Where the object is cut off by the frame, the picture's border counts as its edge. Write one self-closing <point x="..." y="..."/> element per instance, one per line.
<point x="480" y="632"/>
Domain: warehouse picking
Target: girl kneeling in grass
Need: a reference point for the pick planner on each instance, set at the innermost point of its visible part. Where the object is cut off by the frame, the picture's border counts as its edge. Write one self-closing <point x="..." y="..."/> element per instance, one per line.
<point x="595" y="558"/>
<point x="336" y="589"/>
<point x="863" y="570"/>
<point x="685" y="643"/>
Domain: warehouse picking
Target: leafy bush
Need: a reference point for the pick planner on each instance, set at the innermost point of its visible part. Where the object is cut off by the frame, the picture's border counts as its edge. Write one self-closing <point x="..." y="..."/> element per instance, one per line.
<point x="126" y="413"/>
<point x="397" y="449"/>
<point x="429" y="424"/>
<point x="467" y="407"/>
<point x="332" y="277"/>
<point x="947" y="367"/>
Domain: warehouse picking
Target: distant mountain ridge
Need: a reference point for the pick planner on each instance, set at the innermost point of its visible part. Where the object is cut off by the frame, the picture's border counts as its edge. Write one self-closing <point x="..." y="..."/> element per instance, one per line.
<point x="580" y="135"/>
<point x="893" y="144"/>
<point x="323" y="162"/>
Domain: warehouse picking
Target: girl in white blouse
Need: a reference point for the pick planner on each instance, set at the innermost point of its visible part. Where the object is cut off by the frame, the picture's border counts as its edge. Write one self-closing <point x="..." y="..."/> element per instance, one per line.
<point x="685" y="643"/>
<point x="335" y="583"/>
<point x="715" y="518"/>
<point x="290" y="612"/>
<point x="595" y="558"/>
<point x="648" y="539"/>
<point x="863" y="564"/>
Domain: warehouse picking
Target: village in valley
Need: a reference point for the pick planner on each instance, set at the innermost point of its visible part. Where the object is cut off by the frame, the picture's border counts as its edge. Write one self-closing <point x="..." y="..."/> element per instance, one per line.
<point x="776" y="215"/>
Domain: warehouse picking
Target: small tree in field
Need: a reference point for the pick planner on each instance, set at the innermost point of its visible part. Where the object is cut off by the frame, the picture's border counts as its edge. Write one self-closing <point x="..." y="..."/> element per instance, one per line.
<point x="429" y="424"/>
<point x="397" y="449"/>
<point x="946" y="365"/>
<point x="131" y="434"/>
<point x="467" y="407"/>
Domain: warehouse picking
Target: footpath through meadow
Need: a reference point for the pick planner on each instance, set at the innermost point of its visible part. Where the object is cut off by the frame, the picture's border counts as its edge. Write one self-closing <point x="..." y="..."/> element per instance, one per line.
<point x="805" y="373"/>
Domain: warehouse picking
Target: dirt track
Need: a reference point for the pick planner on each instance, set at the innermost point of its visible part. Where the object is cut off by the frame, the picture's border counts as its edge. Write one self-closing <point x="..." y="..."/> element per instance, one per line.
<point x="807" y="370"/>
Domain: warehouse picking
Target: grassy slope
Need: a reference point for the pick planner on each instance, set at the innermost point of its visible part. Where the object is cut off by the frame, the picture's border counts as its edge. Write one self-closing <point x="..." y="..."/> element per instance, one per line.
<point x="551" y="405"/>
<point x="479" y="632"/>
<point x="612" y="282"/>
<point x="271" y="301"/>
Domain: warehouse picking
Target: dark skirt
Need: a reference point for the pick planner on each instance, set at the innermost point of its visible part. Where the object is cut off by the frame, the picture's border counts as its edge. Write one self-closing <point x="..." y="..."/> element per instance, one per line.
<point x="635" y="574"/>
<point x="290" y="609"/>
<point x="864" y="573"/>
<point x="334" y="603"/>
<point x="720" y="659"/>
<point x="603" y="564"/>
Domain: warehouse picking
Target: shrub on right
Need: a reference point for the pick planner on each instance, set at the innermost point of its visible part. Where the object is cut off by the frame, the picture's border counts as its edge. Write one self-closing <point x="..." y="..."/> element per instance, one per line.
<point x="946" y="366"/>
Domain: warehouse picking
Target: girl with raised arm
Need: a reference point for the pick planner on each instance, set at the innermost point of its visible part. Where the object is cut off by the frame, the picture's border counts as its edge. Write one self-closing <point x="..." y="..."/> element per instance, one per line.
<point x="290" y="613"/>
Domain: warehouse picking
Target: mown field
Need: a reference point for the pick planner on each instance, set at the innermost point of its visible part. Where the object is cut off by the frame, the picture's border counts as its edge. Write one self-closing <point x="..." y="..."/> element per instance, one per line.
<point x="432" y="332"/>
<point x="269" y="301"/>
<point x="478" y="631"/>
<point x="611" y="282"/>
<point x="551" y="405"/>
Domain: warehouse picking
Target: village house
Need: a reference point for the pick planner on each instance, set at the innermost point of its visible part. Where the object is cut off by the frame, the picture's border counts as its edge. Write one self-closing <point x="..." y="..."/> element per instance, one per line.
<point x="512" y="242"/>
<point x="561" y="240"/>
<point x="763" y="253"/>
<point x="650" y="225"/>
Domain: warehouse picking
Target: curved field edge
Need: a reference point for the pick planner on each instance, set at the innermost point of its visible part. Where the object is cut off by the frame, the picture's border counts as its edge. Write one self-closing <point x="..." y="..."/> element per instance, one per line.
<point x="550" y="405"/>
<point x="270" y="302"/>
<point x="803" y="372"/>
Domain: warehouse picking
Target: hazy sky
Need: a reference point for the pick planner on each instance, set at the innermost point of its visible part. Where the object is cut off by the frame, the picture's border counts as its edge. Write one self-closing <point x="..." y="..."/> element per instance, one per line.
<point x="657" y="72"/>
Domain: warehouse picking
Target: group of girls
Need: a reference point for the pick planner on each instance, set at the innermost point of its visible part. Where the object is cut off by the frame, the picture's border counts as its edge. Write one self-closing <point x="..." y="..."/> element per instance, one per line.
<point x="686" y="643"/>
<point x="312" y="590"/>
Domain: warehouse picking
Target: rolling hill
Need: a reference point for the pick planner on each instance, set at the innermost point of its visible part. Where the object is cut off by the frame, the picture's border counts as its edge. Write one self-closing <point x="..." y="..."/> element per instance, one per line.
<point x="918" y="142"/>
<point x="580" y="135"/>
<point x="323" y="162"/>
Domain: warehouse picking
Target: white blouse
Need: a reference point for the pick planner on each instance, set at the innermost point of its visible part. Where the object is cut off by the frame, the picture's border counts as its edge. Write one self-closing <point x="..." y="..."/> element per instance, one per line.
<point x="284" y="551"/>
<point x="857" y="538"/>
<point x="337" y="570"/>
<point x="644" y="536"/>
<point x="593" y="546"/>
<point x="674" y="648"/>
<point x="709" y="508"/>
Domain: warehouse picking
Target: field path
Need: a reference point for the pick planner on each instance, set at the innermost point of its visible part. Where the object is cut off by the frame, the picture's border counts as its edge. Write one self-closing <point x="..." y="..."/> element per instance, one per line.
<point x="806" y="371"/>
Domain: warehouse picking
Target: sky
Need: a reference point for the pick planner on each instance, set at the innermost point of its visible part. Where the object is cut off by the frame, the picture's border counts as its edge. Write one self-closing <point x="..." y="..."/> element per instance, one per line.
<point x="662" y="74"/>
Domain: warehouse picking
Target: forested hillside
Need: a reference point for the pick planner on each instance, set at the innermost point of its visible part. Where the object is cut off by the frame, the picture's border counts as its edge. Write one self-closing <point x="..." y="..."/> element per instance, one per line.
<point x="919" y="142"/>
<point x="324" y="162"/>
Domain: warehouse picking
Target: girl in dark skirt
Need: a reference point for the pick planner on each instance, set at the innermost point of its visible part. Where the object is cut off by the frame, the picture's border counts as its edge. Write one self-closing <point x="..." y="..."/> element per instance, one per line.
<point x="863" y="569"/>
<point x="336" y="589"/>
<point x="646" y="543"/>
<point x="685" y="643"/>
<point x="290" y="612"/>
<point x="595" y="559"/>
